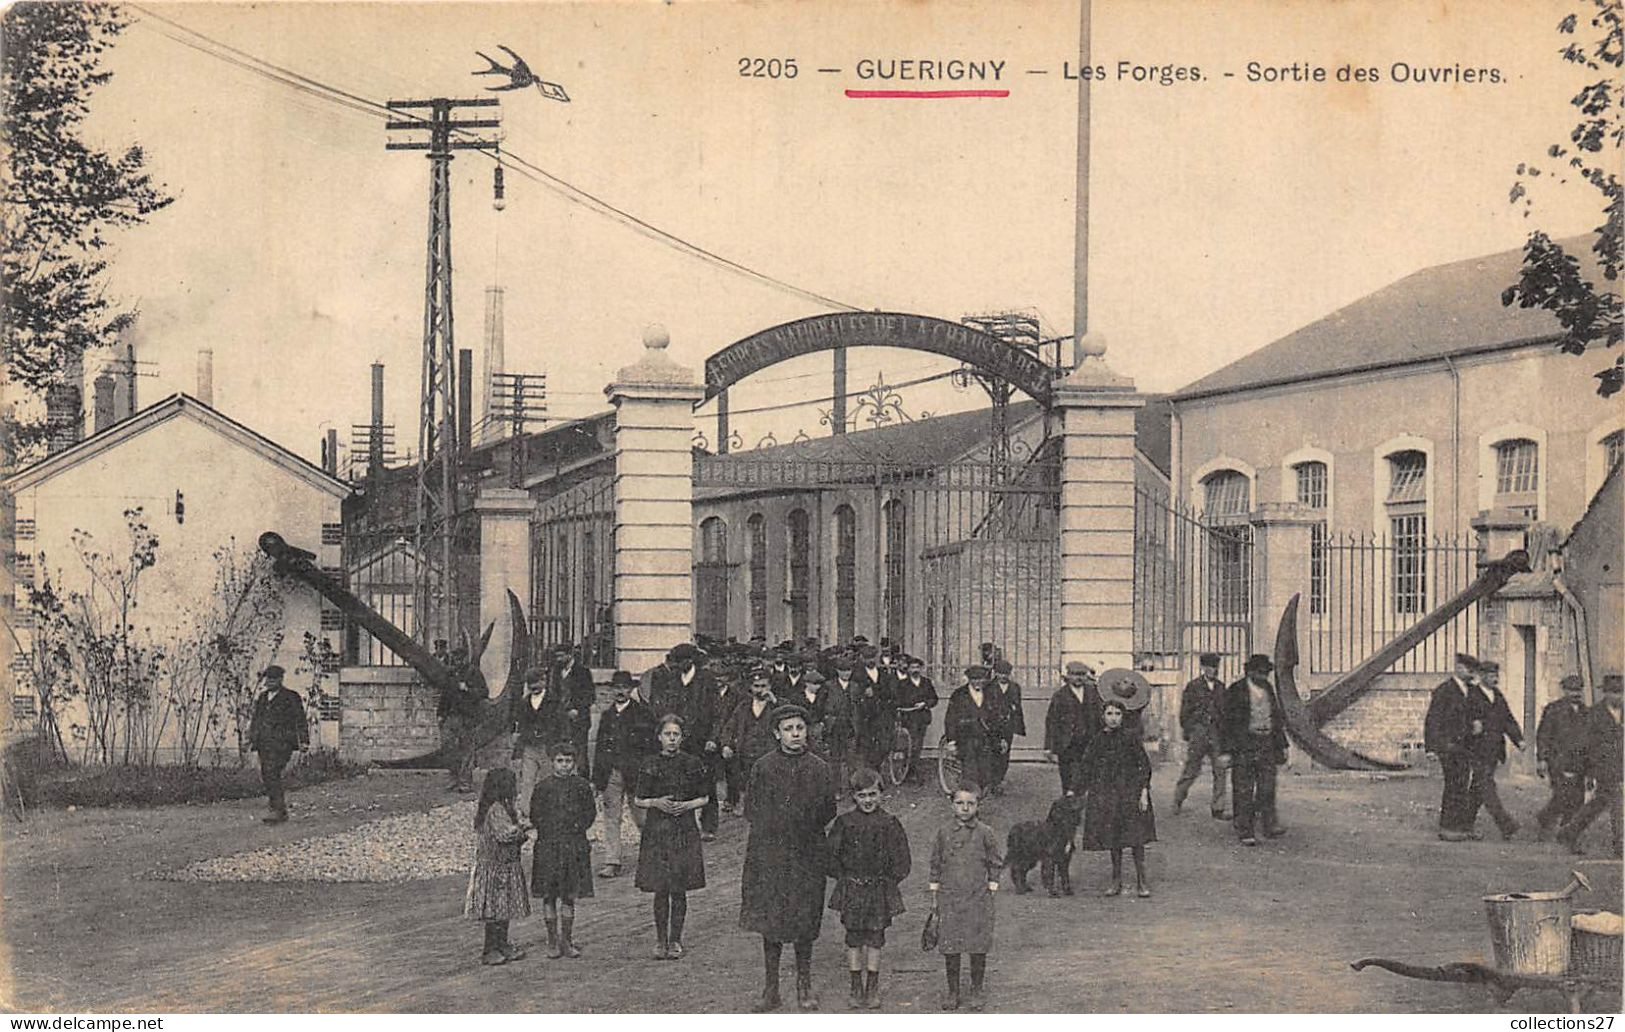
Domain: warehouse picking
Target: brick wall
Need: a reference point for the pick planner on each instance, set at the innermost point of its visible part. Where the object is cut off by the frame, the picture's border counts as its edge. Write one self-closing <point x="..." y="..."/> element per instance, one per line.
<point x="1386" y="722"/>
<point x="386" y="713"/>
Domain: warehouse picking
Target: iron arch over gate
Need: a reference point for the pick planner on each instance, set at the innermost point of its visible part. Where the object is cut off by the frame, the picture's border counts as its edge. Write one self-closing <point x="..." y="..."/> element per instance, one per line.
<point x="1025" y="371"/>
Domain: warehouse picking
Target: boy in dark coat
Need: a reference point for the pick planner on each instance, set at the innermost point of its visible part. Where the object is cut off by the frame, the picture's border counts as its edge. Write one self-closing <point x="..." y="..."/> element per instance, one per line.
<point x="1445" y="733"/>
<point x="1603" y="760"/>
<point x="1254" y="731"/>
<point x="1560" y="754"/>
<point x="1200" y="707"/>
<point x="277" y="730"/>
<point x="626" y="739"/>
<point x="1493" y="724"/>
<point x="916" y="698"/>
<point x="974" y="726"/>
<point x="1066" y="724"/>
<point x="1014" y="722"/>
<point x="789" y="801"/>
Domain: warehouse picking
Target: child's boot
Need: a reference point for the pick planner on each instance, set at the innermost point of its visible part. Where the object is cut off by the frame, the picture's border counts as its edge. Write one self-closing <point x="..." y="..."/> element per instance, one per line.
<point x="805" y="998"/>
<point x="567" y="946"/>
<point x="871" y="991"/>
<point x="491" y="954"/>
<point x="508" y="950"/>
<point x="1141" y="889"/>
<point x="552" y="935"/>
<point x="854" y="998"/>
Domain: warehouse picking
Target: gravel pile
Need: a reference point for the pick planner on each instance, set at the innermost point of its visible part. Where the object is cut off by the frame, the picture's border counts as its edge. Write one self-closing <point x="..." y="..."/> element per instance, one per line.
<point x="406" y="847"/>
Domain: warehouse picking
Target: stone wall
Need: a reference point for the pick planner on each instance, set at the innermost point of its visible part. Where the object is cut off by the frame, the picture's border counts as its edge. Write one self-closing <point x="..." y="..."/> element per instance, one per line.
<point x="385" y="713"/>
<point x="1386" y="722"/>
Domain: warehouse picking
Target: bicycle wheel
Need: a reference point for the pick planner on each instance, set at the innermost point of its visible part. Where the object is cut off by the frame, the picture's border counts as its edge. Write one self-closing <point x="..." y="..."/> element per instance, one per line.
<point x="897" y="764"/>
<point x="949" y="770"/>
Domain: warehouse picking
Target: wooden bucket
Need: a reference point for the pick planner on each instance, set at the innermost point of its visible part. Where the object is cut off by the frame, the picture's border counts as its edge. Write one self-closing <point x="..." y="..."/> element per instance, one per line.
<point x="1530" y="932"/>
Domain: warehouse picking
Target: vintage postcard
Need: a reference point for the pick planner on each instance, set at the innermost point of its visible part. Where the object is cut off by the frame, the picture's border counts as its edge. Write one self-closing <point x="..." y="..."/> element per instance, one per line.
<point x="774" y="506"/>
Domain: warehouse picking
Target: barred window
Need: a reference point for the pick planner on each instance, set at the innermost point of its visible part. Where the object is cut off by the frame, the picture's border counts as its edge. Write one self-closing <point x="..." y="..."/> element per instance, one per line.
<point x="1312" y="491"/>
<point x="332" y="619"/>
<point x="756" y="529"/>
<point x="846" y="574"/>
<point x="1407" y="530"/>
<point x="25" y="527"/>
<point x="1311" y="484"/>
<point x="1407" y="477"/>
<point x="800" y="534"/>
<point x="1517" y="476"/>
<point x="1225" y="493"/>
<point x="332" y="533"/>
<point x="896" y="514"/>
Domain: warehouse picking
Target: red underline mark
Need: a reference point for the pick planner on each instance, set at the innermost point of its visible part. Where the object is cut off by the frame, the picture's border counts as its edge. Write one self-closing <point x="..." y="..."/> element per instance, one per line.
<point x="922" y="94"/>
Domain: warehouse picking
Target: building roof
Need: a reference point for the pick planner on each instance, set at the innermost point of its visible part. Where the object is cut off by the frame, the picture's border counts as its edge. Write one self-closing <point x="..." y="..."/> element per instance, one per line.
<point x="1447" y="310"/>
<point x="176" y="406"/>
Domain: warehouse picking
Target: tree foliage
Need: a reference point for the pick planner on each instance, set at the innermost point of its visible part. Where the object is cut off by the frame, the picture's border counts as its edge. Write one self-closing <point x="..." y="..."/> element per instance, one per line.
<point x="62" y="196"/>
<point x="1551" y="278"/>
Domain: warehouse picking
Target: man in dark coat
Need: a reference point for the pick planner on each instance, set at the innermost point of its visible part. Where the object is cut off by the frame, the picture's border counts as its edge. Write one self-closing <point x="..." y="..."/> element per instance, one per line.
<point x="973" y="728"/>
<point x="626" y="738"/>
<point x="573" y="681"/>
<point x="785" y="678"/>
<point x="1445" y="733"/>
<point x="716" y="706"/>
<point x="874" y="709"/>
<point x="1008" y="694"/>
<point x="1560" y="740"/>
<point x="459" y="712"/>
<point x="830" y="716"/>
<point x="747" y="734"/>
<point x="541" y="720"/>
<point x="277" y="730"/>
<point x="1492" y="725"/>
<point x="789" y="802"/>
<point x="1066" y="724"/>
<point x="916" y="698"/>
<point x="1201" y="706"/>
<point x="1253" y="733"/>
<point x="1603" y="760"/>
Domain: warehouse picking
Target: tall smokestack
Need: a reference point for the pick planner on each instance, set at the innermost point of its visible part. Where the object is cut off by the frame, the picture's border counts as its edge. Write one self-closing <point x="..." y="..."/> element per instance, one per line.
<point x="124" y="377"/>
<point x="330" y="452"/>
<point x="105" y="386"/>
<point x="375" y="444"/>
<point x="65" y="407"/>
<point x="493" y="347"/>
<point x="465" y="398"/>
<point x="205" y="376"/>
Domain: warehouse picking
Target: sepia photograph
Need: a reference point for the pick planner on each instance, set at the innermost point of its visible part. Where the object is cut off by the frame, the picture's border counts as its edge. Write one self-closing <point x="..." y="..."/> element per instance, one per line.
<point x="749" y="507"/>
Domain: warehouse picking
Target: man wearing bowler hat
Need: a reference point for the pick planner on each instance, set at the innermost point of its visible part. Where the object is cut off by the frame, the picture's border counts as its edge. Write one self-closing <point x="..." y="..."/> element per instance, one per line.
<point x="277" y="730"/>
<point x="1447" y="731"/>
<point x="1201" y="706"/>
<point x="1254" y="744"/>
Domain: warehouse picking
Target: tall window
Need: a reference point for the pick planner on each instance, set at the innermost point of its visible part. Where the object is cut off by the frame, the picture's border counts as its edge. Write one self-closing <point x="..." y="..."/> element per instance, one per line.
<point x="711" y="579"/>
<point x="1312" y="495"/>
<point x="800" y="572"/>
<point x="846" y="573"/>
<point x="1613" y="447"/>
<point x="1406" y="506"/>
<point x="1224" y="493"/>
<point x="1229" y="545"/>
<point x="756" y="536"/>
<point x="1517" y="477"/>
<point x="896" y="569"/>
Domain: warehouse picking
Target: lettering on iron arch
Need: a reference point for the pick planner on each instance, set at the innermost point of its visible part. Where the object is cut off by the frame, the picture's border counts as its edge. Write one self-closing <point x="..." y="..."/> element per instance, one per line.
<point x="877" y="329"/>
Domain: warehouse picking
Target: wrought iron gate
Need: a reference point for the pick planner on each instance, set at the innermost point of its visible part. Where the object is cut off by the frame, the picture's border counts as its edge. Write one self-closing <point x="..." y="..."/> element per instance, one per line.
<point x="572" y="570"/>
<point x="1193" y="587"/>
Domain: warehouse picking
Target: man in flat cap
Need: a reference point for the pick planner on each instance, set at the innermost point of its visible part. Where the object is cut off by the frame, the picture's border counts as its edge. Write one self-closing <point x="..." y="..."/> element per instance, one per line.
<point x="973" y="728"/>
<point x="1446" y="731"/>
<point x="1254" y="742"/>
<point x="1603" y="768"/>
<point x="789" y="801"/>
<point x="1066" y="724"/>
<point x="1007" y="693"/>
<point x="277" y="730"/>
<point x="916" y="698"/>
<point x="1201" y="708"/>
<point x="540" y="718"/>
<point x="1560" y="740"/>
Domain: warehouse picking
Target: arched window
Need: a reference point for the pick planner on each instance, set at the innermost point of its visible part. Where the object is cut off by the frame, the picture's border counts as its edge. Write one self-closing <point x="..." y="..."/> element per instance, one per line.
<point x="1406" y="508"/>
<point x="756" y="537"/>
<point x="799" y="558"/>
<point x="896" y="515"/>
<point x="1225" y="494"/>
<point x="1613" y="448"/>
<point x="711" y="579"/>
<point x="846" y="573"/>
<point x="1312" y="494"/>
<point x="1517" y="476"/>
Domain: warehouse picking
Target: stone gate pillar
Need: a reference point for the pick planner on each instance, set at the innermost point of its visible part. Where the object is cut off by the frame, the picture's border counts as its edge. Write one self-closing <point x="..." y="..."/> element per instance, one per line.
<point x="654" y="493"/>
<point x="504" y="514"/>
<point x="1281" y="542"/>
<point x="1097" y="513"/>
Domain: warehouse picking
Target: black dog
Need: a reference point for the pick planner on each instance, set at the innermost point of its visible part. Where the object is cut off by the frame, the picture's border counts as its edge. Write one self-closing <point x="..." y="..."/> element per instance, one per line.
<point x="1047" y="843"/>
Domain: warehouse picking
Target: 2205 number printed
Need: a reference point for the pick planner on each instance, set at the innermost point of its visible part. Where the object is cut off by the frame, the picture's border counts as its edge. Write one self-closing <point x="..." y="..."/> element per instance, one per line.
<point x="768" y="68"/>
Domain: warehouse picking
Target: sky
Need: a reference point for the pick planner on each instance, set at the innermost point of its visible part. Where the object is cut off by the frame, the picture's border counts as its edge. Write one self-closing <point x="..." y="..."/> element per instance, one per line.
<point x="1224" y="213"/>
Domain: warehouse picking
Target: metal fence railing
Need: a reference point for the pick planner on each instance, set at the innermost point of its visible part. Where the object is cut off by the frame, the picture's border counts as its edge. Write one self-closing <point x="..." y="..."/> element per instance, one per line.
<point x="573" y="566"/>
<point x="1373" y="588"/>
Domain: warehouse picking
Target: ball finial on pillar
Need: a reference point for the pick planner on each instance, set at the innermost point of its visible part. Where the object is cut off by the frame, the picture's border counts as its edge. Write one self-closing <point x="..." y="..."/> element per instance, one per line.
<point x="1093" y="345"/>
<point x="656" y="337"/>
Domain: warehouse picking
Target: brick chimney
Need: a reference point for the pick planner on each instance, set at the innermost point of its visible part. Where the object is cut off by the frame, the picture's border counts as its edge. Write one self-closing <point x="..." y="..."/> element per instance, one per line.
<point x="105" y="386"/>
<point x="205" y="376"/>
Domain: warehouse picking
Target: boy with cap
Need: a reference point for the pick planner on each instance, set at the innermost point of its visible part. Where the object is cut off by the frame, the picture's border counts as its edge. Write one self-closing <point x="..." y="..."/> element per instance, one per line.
<point x="1560" y="754"/>
<point x="626" y="738"/>
<point x="278" y="729"/>
<point x="1067" y="728"/>
<point x="1446" y="731"/>
<point x="1008" y="695"/>
<point x="789" y="801"/>
<point x="1254" y="743"/>
<point x="1201" y="706"/>
<point x="1602" y="764"/>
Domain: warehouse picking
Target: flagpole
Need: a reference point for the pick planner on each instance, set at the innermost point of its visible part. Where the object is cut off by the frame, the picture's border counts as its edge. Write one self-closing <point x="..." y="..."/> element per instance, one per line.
<point x="1080" y="258"/>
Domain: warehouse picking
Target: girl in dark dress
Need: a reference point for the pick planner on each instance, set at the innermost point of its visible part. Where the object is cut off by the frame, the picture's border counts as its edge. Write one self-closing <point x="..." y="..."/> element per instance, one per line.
<point x="562" y="809"/>
<point x="869" y="856"/>
<point x="1116" y="773"/>
<point x="671" y="786"/>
